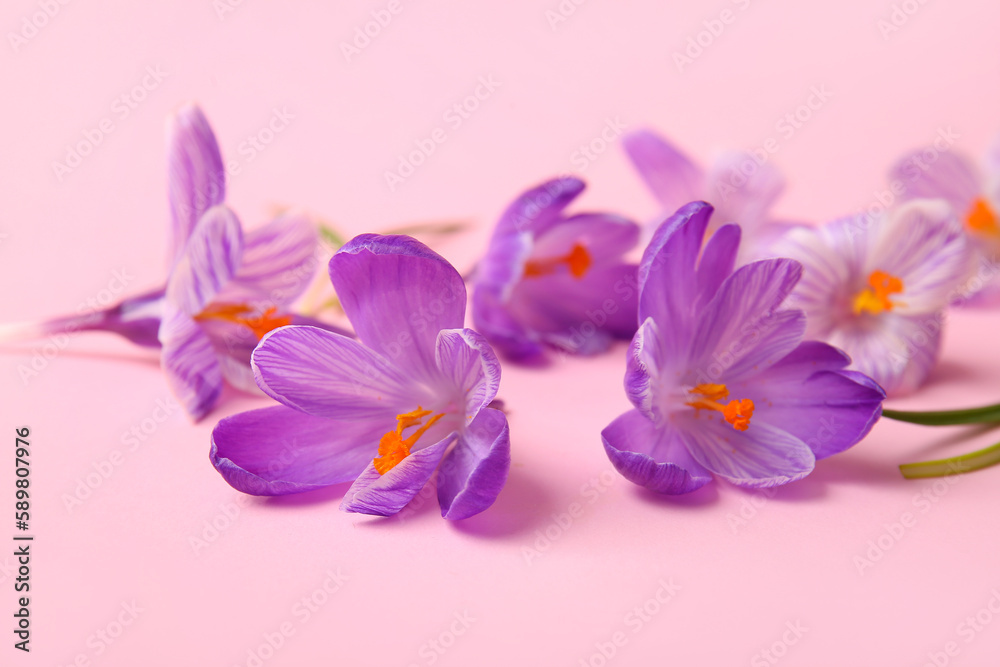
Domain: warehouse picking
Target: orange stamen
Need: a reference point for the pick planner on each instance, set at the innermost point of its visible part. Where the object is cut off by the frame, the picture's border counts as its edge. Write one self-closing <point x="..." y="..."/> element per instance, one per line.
<point x="736" y="412"/>
<point x="393" y="448"/>
<point x="260" y="324"/>
<point x="874" y="299"/>
<point x="577" y="260"/>
<point x="981" y="219"/>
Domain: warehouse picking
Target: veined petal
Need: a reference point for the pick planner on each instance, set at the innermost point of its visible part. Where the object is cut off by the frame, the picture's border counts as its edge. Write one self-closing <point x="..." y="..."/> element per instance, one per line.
<point x="949" y="176"/>
<point x="922" y="244"/>
<point x="398" y="294"/>
<point x="210" y="259"/>
<point x="644" y="367"/>
<point x="470" y="368"/>
<point x="761" y="456"/>
<point x="672" y="177"/>
<point x="652" y="456"/>
<point x="742" y="329"/>
<point x="807" y="395"/>
<point x="329" y="375"/>
<point x="717" y="261"/>
<point x="196" y="177"/>
<point x="279" y="450"/>
<point x="189" y="362"/>
<point x="897" y="351"/>
<point x="279" y="261"/>
<point x="668" y="284"/>
<point x="474" y="472"/>
<point x="385" y="495"/>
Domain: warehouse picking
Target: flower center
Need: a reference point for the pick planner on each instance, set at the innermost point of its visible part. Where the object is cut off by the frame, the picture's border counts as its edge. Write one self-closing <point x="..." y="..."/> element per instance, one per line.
<point x="736" y="412"/>
<point x="393" y="448"/>
<point x="577" y="260"/>
<point x="981" y="219"/>
<point x="874" y="299"/>
<point x="260" y="324"/>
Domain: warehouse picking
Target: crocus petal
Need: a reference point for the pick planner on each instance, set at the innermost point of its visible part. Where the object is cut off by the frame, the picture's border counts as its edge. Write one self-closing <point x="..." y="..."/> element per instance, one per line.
<point x="717" y="261"/>
<point x="897" y="351"/>
<point x="329" y="375"/>
<point x="474" y="472"/>
<point x="644" y="364"/>
<point x="510" y="338"/>
<point x="470" y="368"/>
<point x="279" y="261"/>
<point x="744" y="200"/>
<point x="949" y="176"/>
<point x="189" y="362"/>
<point x="581" y="315"/>
<point x="741" y="330"/>
<point x="652" y="456"/>
<point x="398" y="294"/>
<point x="668" y="285"/>
<point x="807" y="395"/>
<point x="602" y="234"/>
<point x="536" y="210"/>
<point x="671" y="175"/>
<point x="385" y="495"/>
<point x="922" y="244"/>
<point x="761" y="456"/>
<point x="196" y="178"/>
<point x="210" y="259"/>
<point x="279" y="450"/>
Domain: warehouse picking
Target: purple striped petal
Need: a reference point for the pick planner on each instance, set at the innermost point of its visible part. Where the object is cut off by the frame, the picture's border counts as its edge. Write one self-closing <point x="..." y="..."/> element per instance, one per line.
<point x="189" y="362"/>
<point x="807" y="395"/>
<point x="210" y="259"/>
<point x="329" y="375"/>
<point x="469" y="367"/>
<point x="717" y="261"/>
<point x="398" y="294"/>
<point x="742" y="331"/>
<point x="474" y="472"/>
<point x="538" y="209"/>
<point x="950" y="176"/>
<point x="896" y="351"/>
<point x="196" y="178"/>
<point x="645" y="364"/>
<point x="279" y="261"/>
<point x="385" y="495"/>
<point x="922" y="244"/>
<point x="652" y="456"/>
<point x="279" y="450"/>
<point x="761" y="456"/>
<point x="671" y="175"/>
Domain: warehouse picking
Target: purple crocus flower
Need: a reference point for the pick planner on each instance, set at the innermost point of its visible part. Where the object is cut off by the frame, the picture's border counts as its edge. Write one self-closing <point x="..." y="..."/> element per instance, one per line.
<point x="554" y="280"/>
<point x="410" y="395"/>
<point x="226" y="288"/>
<point x="974" y="195"/>
<point x="741" y="188"/>
<point x="877" y="287"/>
<point x="719" y="375"/>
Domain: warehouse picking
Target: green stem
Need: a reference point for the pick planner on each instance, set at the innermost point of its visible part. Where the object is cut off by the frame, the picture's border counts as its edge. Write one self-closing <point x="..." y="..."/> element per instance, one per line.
<point x="956" y="465"/>
<point x="987" y="413"/>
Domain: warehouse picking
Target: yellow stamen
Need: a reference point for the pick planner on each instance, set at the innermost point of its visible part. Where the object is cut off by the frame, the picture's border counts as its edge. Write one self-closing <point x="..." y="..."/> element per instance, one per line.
<point x="981" y="219"/>
<point x="874" y="299"/>
<point x="393" y="448"/>
<point x="736" y="412"/>
<point x="260" y="324"/>
<point x="577" y="260"/>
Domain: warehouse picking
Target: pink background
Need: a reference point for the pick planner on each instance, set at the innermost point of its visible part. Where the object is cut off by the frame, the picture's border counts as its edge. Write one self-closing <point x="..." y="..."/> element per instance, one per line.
<point x="526" y="599"/>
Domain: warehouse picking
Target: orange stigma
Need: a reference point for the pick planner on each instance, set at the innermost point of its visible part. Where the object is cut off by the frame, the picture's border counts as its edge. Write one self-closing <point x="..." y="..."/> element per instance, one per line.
<point x="577" y="260"/>
<point x="981" y="219"/>
<point x="874" y="299"/>
<point x="737" y="413"/>
<point x="260" y="324"/>
<point x="392" y="448"/>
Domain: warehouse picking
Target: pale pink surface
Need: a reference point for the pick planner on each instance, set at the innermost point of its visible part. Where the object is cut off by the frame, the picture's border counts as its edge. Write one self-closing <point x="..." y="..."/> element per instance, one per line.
<point x="794" y="558"/>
